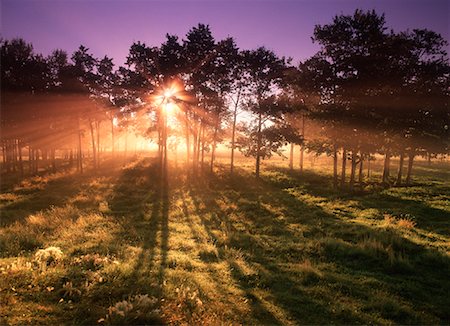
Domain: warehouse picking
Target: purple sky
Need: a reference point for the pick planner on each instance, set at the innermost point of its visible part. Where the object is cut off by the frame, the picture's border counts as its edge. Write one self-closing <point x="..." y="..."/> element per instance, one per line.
<point x="285" y="26"/>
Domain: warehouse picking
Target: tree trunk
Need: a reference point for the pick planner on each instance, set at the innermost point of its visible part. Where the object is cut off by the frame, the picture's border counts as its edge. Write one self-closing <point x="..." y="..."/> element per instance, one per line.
<point x="112" y="136"/>
<point x="14" y="154"/>
<point x="398" y="182"/>
<point x="291" y="157"/>
<point x="194" y="147"/>
<point x="71" y="158"/>
<point x="409" y="171"/>
<point x="53" y="157"/>
<point x="45" y="158"/>
<point x="4" y="153"/>
<point x="353" y="169"/>
<point x="368" y="167"/>
<point x="7" y="157"/>
<point x="165" y="162"/>
<point x="19" y="149"/>
<point x="199" y="144"/>
<point x="258" y="145"/>
<point x="387" y="161"/>
<point x="335" y="167"/>
<point x="98" y="143"/>
<point x="188" y="155"/>
<point x="344" y="162"/>
<point x="213" y="150"/>
<point x="203" y="147"/>
<point x="302" y="146"/>
<point x="30" y="159"/>
<point x="80" y="158"/>
<point x="302" y="150"/>
<point x="94" y="148"/>
<point x="35" y="161"/>
<point x="233" y="133"/>
<point x="361" y="166"/>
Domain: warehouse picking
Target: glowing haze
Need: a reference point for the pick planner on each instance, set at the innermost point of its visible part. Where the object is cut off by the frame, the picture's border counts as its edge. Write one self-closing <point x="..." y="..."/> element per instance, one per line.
<point x="110" y="27"/>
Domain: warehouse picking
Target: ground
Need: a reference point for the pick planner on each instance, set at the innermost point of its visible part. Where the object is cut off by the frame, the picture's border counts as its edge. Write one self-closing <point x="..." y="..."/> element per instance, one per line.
<point x="125" y="246"/>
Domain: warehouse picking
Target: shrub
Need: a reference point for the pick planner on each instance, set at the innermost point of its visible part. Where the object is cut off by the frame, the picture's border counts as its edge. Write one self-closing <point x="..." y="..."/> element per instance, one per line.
<point x="48" y="256"/>
<point x="138" y="309"/>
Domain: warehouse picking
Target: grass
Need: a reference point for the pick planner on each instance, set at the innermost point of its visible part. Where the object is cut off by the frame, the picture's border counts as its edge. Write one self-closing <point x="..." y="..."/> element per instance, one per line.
<point x="285" y="249"/>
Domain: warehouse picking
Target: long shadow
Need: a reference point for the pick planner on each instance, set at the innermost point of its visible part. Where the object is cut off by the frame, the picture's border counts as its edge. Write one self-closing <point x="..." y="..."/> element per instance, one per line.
<point x="277" y="280"/>
<point x="37" y="197"/>
<point x="140" y="202"/>
<point x="236" y="270"/>
<point x="412" y="283"/>
<point x="426" y="217"/>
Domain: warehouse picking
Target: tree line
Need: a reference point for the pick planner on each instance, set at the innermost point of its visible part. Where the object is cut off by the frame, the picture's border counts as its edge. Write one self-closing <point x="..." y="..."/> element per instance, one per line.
<point x="368" y="91"/>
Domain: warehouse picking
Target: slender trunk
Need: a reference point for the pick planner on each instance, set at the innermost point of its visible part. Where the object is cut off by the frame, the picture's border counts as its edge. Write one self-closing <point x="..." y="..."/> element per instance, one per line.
<point x="233" y="133"/>
<point x="19" y="149"/>
<point x="387" y="161"/>
<point x="188" y="154"/>
<point x="302" y="151"/>
<point x="71" y="158"/>
<point x="14" y="154"/>
<point x="7" y="157"/>
<point x="36" y="160"/>
<point x="429" y="159"/>
<point x="203" y="146"/>
<point x="198" y="144"/>
<point x="98" y="143"/>
<point x="344" y="162"/>
<point x="194" y="149"/>
<point x="258" y="145"/>
<point x="302" y="147"/>
<point x="368" y="167"/>
<point x="165" y="162"/>
<point x="80" y="158"/>
<point x="45" y="158"/>
<point x="30" y="159"/>
<point x="94" y="148"/>
<point x="291" y="157"/>
<point x="112" y="136"/>
<point x="409" y="171"/>
<point x="213" y="150"/>
<point x="361" y="167"/>
<point x="353" y="169"/>
<point x="4" y="154"/>
<point x="335" y="167"/>
<point x="398" y="182"/>
<point x="53" y="157"/>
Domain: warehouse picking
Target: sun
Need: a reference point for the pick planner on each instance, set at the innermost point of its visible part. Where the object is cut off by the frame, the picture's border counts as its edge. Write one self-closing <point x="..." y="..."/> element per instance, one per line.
<point x="167" y="99"/>
<point x="169" y="108"/>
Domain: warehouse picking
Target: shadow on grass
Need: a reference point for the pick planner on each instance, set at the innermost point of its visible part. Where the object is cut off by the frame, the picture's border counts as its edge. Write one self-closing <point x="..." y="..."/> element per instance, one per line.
<point x="41" y="193"/>
<point x="141" y="203"/>
<point x="426" y="217"/>
<point x="413" y="273"/>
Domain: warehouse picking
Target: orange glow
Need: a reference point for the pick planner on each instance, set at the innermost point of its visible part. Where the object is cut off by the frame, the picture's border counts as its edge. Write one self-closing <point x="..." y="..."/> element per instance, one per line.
<point x="169" y="108"/>
<point x="168" y="93"/>
<point x="167" y="99"/>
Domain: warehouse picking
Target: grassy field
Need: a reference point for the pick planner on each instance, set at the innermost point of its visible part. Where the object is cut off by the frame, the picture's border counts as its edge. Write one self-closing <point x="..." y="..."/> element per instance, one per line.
<point x="125" y="247"/>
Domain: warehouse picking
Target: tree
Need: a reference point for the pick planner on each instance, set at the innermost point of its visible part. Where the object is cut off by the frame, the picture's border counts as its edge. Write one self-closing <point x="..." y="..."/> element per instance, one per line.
<point x="265" y="71"/>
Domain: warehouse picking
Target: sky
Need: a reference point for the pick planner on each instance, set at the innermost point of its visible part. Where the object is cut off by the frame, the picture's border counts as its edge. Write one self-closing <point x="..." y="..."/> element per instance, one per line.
<point x="109" y="27"/>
